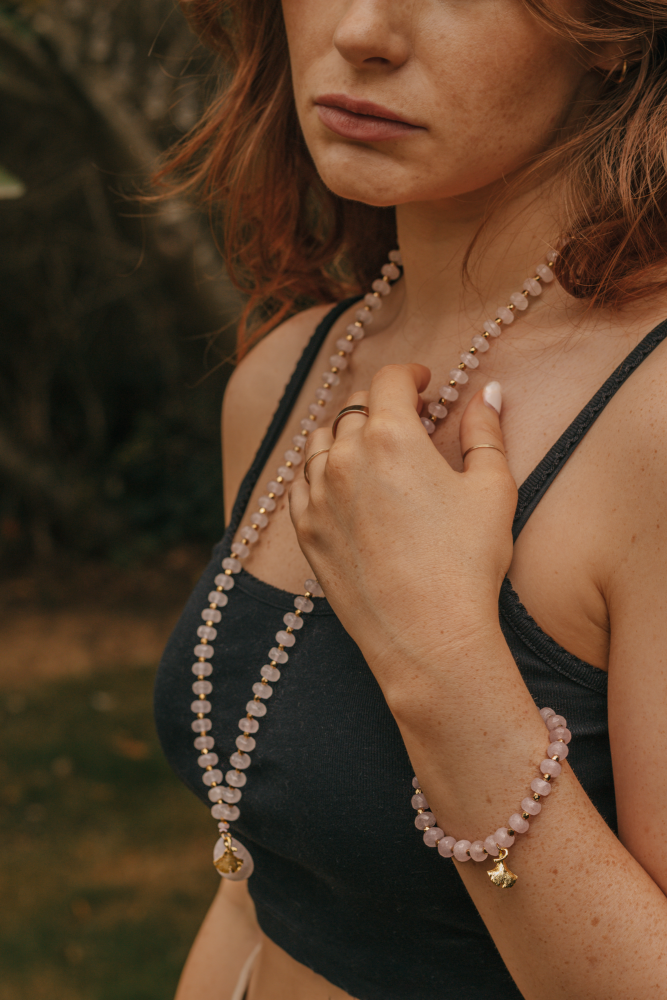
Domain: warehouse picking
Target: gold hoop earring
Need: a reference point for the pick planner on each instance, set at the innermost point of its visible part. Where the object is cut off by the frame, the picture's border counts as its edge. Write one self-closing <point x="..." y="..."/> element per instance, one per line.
<point x="624" y="72"/>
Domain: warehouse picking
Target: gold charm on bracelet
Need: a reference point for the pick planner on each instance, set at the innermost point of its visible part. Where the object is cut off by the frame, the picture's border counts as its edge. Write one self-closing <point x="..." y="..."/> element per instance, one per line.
<point x="501" y="875"/>
<point x="228" y="863"/>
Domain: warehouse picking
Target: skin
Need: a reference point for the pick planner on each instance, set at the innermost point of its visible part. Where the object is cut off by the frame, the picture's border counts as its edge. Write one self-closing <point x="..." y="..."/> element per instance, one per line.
<point x="395" y="528"/>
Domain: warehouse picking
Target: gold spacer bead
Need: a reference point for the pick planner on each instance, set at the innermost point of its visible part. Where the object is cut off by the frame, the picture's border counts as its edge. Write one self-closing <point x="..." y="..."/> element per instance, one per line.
<point x="334" y="370"/>
<point x="419" y="812"/>
<point x="273" y="663"/>
<point x="289" y="464"/>
<point x="256" y="698"/>
<point x="228" y="572"/>
<point x="281" y="647"/>
<point x="550" y="263"/>
<point x="289" y="629"/>
<point x="498" y="321"/>
<point x="525" y="293"/>
<point x="510" y="832"/>
<point x="453" y="382"/>
<point x="209" y="767"/>
<point x="262" y="510"/>
<point x="307" y="594"/>
<point x="204" y="642"/>
<point x="348" y="336"/>
<point x="279" y="479"/>
<point x="202" y="659"/>
<point x="214" y="784"/>
<point x="327" y="385"/>
<point x="200" y="677"/>
<point x="385" y="278"/>
<point x="547" y="777"/>
<point x="486" y="334"/>
<point x="320" y="402"/>
<point x="201" y="697"/>
<point x="209" y="624"/>
<point x="444" y="401"/>
<point x="536" y="797"/>
<point x="200" y="715"/>
<point x="255" y="526"/>
<point x="264" y="680"/>
<point x="297" y="612"/>
<point x="462" y="366"/>
<point x="537" y="278"/>
<point x="244" y="541"/>
<point x="297" y="447"/>
<point x="511" y="306"/>
<point x="342" y="354"/>
<point x="526" y="815"/>
<point x="246" y="734"/>
<point x="555" y="757"/>
<point x="472" y="350"/>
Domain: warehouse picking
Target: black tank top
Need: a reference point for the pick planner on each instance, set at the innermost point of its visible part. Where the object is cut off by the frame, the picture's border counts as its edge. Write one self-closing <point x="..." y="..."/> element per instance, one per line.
<point x="343" y="881"/>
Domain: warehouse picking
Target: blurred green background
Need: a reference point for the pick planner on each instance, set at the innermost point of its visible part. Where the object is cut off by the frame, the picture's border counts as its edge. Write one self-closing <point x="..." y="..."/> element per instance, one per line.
<point x="111" y="380"/>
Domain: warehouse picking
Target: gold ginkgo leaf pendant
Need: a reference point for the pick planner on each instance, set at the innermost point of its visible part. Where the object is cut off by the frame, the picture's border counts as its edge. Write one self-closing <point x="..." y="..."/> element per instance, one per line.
<point x="500" y="874"/>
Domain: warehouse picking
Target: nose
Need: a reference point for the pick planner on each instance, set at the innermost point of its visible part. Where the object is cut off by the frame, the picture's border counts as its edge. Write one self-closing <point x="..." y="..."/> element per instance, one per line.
<point x="370" y="34"/>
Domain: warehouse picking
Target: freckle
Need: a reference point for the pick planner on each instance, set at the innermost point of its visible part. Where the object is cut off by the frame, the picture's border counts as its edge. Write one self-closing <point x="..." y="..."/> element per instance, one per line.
<point x="555" y="871"/>
<point x="633" y="539"/>
<point x="592" y="959"/>
<point x="595" y="921"/>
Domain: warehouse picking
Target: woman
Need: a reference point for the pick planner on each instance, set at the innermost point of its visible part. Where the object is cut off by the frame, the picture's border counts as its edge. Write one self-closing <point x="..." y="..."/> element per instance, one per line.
<point x="501" y="131"/>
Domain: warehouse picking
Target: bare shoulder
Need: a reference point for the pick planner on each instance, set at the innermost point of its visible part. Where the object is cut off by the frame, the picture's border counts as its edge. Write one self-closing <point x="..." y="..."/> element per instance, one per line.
<point x="254" y="391"/>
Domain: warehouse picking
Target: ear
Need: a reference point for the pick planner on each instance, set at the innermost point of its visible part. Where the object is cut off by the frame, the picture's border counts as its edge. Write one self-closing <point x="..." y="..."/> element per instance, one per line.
<point x="616" y="58"/>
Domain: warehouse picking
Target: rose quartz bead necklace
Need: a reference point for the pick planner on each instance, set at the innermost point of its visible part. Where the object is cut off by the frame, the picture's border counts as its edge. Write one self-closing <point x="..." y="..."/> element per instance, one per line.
<point x="231" y="858"/>
<point x="497" y="844"/>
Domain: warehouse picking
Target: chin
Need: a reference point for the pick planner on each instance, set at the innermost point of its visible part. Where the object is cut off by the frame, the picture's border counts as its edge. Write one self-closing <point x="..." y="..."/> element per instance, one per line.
<point x="359" y="173"/>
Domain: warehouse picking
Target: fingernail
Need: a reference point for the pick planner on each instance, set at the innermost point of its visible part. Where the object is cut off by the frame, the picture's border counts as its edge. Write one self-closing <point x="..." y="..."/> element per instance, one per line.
<point x="493" y="396"/>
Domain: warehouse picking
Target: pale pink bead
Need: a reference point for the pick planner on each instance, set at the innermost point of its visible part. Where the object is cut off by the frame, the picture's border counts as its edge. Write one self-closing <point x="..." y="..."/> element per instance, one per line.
<point x="286" y="473"/>
<point x="477" y="852"/>
<point x="201" y="725"/>
<point x="313" y="587"/>
<point x="446" y="847"/>
<point x="418" y="801"/>
<point x="218" y="597"/>
<point x="325" y="394"/>
<point x="304" y="604"/>
<point x="279" y="655"/>
<point x="201" y="705"/>
<point x="396" y="257"/>
<point x="331" y="378"/>
<point x="203" y="651"/>
<point x="221" y="811"/>
<point x="552" y="256"/>
<point x="274" y="487"/>
<point x="231" y="795"/>
<point x="560" y="750"/>
<point x="481" y="343"/>
<point x="356" y="332"/>
<point x="285" y="638"/>
<point x="428" y="424"/>
<point x="372" y="301"/>
<point x="246" y="743"/>
<point x="345" y="345"/>
<point x="267" y="502"/>
<point x="546" y="713"/>
<point x="492" y="328"/>
<point x="315" y="411"/>
<point x="250" y="534"/>
<point x="256" y="708"/>
<point x="432" y="836"/>
<point x="231" y="564"/>
<point x="554" y="721"/>
<point x="261" y="520"/>
<point x="262" y="690"/>
<point x="209" y="777"/>
<point x="214" y="794"/>
<point x="294" y="621"/>
<point x="390" y="271"/>
<point x="204" y="742"/>
<point x="363" y="316"/>
<point x="202" y="687"/>
<point x="337" y="362"/>
<point x="519" y="301"/>
<point x="545" y="273"/>
<point x="503" y="838"/>
<point x="271" y="673"/>
<point x="532" y="286"/>
<point x="248" y="725"/>
<point x="460" y="850"/>
<point x="456" y="375"/>
<point x="240" y="760"/>
<point x="491" y="846"/>
<point x="211" y="615"/>
<point x="206" y="632"/>
<point x="383" y="287"/>
<point x="540" y="786"/>
<point x="202" y="669"/>
<point x="551" y="767"/>
<point x="236" y="779"/>
<point x="561" y="733"/>
<point x="299" y="441"/>
<point x="240" y="550"/>
<point x="505" y="314"/>
<point x="224" y="581"/>
<point x="529" y="805"/>
<point x="469" y="359"/>
<point x="448" y="392"/>
<point x="208" y="760"/>
<point x="295" y="457"/>
<point x="438" y="410"/>
<point x="518" y="823"/>
<point x="422" y="820"/>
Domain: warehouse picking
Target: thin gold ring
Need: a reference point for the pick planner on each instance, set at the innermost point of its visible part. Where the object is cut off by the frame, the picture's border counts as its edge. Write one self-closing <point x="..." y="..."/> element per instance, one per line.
<point x="475" y="446"/>
<point x="356" y="408"/>
<point x="309" y="460"/>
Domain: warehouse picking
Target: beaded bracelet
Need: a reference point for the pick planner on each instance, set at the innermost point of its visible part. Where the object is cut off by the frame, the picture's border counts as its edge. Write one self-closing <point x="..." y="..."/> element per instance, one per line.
<point x="497" y="844"/>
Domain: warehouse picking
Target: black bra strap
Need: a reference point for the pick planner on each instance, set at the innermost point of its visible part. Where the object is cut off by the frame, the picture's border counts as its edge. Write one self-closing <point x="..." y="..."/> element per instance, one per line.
<point x="294" y="387"/>
<point x="538" y="482"/>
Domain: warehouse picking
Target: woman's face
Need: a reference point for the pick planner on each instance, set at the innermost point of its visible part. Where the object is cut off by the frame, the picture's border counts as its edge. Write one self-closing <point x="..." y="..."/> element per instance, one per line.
<point x="478" y="85"/>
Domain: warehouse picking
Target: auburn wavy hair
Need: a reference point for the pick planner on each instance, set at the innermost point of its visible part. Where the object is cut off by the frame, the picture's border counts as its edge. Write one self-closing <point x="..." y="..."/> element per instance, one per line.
<point x="288" y="241"/>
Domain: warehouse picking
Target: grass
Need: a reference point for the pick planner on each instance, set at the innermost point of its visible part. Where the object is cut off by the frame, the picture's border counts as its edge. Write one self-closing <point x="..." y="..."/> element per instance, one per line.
<point x="105" y="869"/>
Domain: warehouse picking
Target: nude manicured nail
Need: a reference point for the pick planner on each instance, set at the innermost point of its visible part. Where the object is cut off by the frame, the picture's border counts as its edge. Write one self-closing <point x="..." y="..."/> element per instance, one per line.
<point x="493" y="395"/>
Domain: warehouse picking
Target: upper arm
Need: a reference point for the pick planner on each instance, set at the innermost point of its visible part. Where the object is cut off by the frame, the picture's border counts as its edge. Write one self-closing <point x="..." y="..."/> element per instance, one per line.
<point x="638" y="652"/>
<point x="254" y="391"/>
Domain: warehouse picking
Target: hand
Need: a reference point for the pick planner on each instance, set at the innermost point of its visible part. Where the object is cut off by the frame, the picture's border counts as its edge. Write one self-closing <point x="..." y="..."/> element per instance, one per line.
<point x="410" y="553"/>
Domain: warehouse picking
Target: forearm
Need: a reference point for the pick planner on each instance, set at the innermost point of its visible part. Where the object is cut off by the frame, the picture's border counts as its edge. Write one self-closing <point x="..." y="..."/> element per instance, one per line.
<point x="584" y="920"/>
<point x="225" y="940"/>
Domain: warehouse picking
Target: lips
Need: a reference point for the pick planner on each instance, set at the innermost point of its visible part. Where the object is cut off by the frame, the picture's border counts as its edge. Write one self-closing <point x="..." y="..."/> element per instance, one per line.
<point x="362" y="120"/>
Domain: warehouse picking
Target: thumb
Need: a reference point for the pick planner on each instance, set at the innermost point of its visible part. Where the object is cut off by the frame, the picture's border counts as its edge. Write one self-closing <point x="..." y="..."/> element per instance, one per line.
<point x="480" y="425"/>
